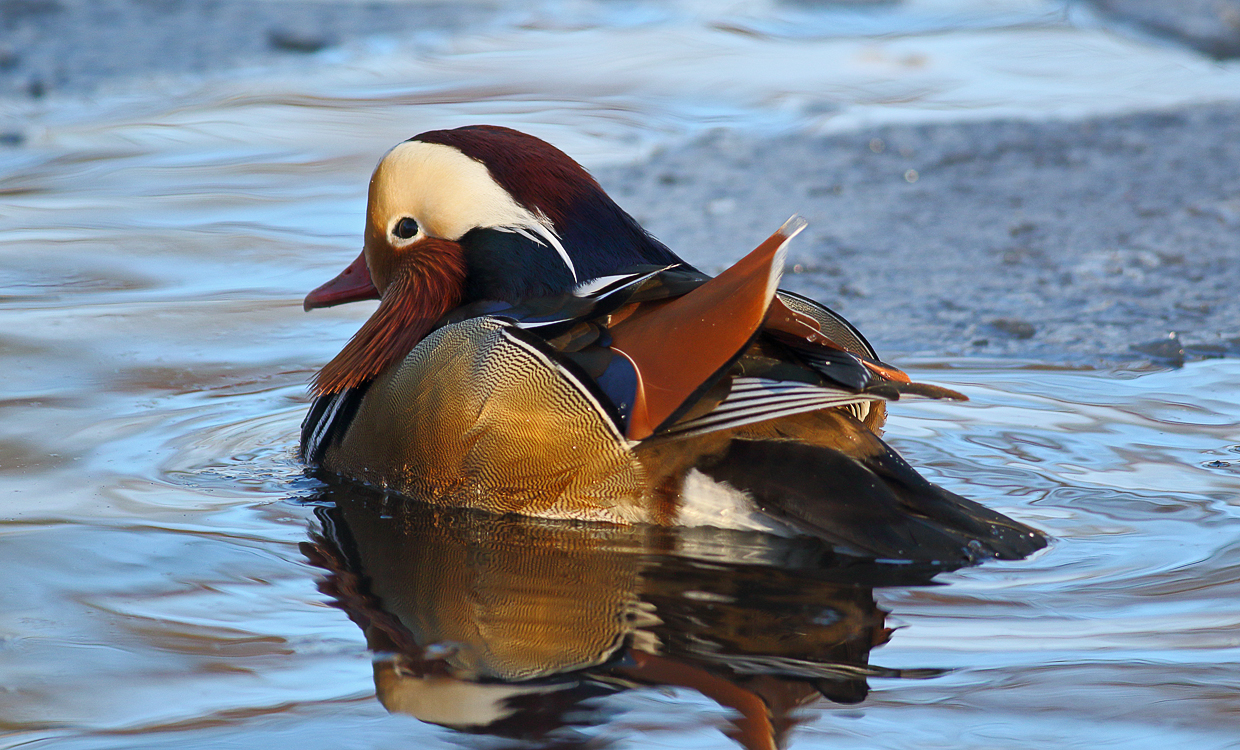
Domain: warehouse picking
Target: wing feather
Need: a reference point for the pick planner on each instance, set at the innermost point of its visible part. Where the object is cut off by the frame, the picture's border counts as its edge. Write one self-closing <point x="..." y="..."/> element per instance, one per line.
<point x="753" y="400"/>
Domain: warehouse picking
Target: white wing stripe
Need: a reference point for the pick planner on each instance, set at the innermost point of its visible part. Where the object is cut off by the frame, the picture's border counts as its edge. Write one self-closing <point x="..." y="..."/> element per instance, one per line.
<point x="754" y="400"/>
<point x="696" y="427"/>
<point x="765" y="409"/>
<point x="758" y="404"/>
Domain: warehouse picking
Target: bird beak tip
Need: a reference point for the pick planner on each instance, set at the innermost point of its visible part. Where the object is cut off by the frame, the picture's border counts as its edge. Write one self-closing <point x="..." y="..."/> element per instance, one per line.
<point x="351" y="285"/>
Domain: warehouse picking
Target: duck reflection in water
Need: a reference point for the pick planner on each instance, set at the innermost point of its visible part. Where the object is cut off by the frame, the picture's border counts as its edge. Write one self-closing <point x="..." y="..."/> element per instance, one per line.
<point x="509" y="626"/>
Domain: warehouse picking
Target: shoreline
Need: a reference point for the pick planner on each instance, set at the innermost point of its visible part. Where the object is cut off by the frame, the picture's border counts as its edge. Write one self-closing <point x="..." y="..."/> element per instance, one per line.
<point x="1075" y="243"/>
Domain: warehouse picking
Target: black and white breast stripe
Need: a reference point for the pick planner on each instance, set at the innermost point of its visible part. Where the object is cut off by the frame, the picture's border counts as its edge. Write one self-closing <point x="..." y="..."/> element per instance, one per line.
<point x="328" y="419"/>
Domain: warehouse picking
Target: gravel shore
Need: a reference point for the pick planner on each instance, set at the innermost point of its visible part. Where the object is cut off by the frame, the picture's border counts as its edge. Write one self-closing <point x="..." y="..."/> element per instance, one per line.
<point x="1080" y="243"/>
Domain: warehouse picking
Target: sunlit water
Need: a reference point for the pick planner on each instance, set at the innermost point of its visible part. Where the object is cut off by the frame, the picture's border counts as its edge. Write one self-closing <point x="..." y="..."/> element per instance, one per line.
<point x="155" y="245"/>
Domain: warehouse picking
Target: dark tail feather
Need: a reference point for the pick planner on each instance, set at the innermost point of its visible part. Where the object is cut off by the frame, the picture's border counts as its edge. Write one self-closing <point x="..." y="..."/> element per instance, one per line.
<point x="875" y="506"/>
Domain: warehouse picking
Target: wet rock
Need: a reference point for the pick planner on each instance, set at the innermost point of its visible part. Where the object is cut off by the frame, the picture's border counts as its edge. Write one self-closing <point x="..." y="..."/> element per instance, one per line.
<point x="1209" y="26"/>
<point x="1205" y="351"/>
<point x="293" y="41"/>
<point x="1017" y="329"/>
<point x="1167" y="351"/>
<point x="1225" y="348"/>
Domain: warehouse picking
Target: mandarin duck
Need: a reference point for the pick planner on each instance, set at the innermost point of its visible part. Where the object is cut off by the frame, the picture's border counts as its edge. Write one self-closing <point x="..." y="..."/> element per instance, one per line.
<point x="535" y="351"/>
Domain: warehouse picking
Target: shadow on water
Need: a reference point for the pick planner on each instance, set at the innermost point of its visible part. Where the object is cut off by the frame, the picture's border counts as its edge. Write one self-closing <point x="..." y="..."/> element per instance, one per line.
<point x="519" y="627"/>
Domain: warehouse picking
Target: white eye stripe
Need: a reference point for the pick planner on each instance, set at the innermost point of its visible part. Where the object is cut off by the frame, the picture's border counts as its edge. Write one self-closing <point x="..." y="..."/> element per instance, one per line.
<point x="450" y="194"/>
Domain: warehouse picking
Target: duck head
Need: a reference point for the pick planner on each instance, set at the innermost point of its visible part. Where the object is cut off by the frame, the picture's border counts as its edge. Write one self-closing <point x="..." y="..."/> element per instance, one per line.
<point x="476" y="213"/>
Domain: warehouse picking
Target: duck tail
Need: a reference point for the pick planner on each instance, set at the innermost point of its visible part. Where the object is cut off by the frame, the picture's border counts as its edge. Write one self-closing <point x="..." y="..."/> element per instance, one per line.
<point x="873" y="506"/>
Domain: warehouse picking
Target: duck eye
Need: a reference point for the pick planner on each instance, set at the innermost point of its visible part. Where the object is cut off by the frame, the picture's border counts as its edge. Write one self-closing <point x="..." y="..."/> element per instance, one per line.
<point x="405" y="228"/>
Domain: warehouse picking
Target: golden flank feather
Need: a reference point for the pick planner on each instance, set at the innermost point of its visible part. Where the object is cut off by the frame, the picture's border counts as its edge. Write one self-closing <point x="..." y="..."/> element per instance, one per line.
<point x="476" y="418"/>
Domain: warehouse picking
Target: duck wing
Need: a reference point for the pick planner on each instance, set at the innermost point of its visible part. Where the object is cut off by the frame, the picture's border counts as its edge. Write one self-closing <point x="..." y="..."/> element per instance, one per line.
<point x="831" y="323"/>
<point x="680" y="347"/>
<point x="675" y="353"/>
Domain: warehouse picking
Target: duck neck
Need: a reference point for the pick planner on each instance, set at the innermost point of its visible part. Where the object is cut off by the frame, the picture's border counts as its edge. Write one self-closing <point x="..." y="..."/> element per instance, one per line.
<point x="423" y="287"/>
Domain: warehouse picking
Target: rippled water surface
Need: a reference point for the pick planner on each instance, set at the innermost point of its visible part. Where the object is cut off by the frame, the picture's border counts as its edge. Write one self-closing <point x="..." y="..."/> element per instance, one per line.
<point x="172" y="579"/>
